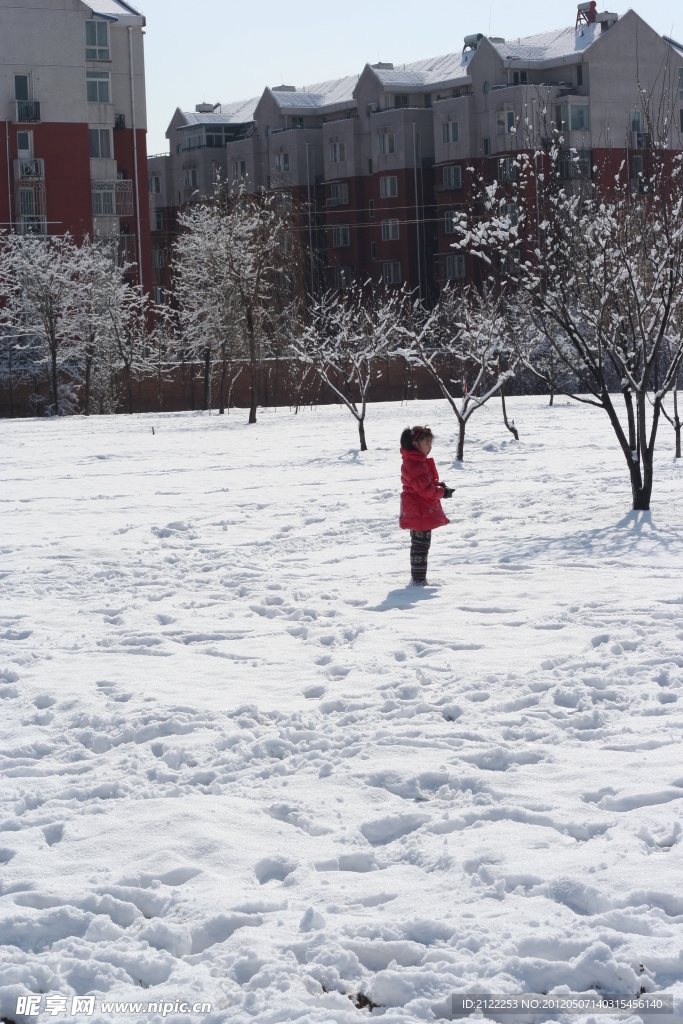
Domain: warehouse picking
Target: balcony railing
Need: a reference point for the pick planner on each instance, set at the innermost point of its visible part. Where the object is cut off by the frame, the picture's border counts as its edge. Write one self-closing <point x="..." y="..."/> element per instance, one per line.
<point x="112" y="198"/>
<point x="31" y="210"/>
<point x="29" y="169"/>
<point x="28" y="111"/>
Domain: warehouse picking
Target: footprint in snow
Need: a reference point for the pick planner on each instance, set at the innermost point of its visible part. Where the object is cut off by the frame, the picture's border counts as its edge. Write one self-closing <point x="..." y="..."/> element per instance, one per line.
<point x="53" y="834"/>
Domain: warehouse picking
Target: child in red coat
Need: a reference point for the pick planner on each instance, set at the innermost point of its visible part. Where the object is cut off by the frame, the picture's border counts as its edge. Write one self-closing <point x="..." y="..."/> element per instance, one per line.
<point x="421" y="510"/>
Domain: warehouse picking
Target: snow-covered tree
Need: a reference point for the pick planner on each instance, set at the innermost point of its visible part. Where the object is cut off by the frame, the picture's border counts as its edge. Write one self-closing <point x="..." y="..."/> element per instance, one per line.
<point x="595" y="264"/>
<point x="465" y="344"/>
<point x="89" y="321"/>
<point x="236" y="266"/>
<point x="37" y="293"/>
<point x="347" y="333"/>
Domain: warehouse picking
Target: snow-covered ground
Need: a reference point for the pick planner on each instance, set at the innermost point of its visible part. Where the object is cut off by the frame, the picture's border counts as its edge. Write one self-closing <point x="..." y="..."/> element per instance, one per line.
<point x="243" y="763"/>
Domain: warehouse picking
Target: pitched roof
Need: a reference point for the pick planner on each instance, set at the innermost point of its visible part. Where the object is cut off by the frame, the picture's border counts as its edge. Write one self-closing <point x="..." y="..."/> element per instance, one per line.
<point x="116" y="10"/>
<point x="549" y="46"/>
<point x="432" y="71"/>
<point x="225" y="113"/>
<point x="337" y="92"/>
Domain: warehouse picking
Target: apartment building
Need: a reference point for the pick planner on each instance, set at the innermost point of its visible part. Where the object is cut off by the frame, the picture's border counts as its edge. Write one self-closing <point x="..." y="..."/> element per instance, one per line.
<point x="72" y="89"/>
<point x="379" y="162"/>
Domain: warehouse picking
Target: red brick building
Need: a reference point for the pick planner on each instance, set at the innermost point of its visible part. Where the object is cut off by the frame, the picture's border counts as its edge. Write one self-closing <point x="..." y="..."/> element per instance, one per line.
<point x="72" y="88"/>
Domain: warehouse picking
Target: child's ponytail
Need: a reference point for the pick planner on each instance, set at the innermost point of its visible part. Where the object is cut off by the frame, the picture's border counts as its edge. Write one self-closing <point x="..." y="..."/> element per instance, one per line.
<point x="407" y="439"/>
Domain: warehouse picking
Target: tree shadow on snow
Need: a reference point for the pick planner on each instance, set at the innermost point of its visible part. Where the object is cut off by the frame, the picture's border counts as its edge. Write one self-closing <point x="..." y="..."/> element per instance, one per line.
<point x="406" y="597"/>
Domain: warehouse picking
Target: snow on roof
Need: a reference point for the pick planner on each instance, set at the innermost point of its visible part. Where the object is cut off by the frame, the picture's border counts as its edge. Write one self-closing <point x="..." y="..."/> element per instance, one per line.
<point x="121" y="10"/>
<point x="431" y="71"/>
<point x="337" y="91"/>
<point x="549" y="46"/>
<point x="225" y="113"/>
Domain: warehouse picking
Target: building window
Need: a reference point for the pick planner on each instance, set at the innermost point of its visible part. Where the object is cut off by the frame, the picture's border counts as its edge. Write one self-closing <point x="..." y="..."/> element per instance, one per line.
<point x="373" y="250"/>
<point x="21" y="88"/>
<point x="339" y="194"/>
<point x="388" y="186"/>
<point x="507" y="169"/>
<point x="97" y="86"/>
<point x="452" y="176"/>
<point x="455" y="267"/>
<point x="486" y="146"/>
<point x="96" y="40"/>
<point x="371" y="208"/>
<point x="391" y="272"/>
<point x="579" y="74"/>
<point x="387" y="143"/>
<point x="283" y="202"/>
<point x="297" y="122"/>
<point x="154" y="184"/>
<point x="400" y="101"/>
<point x="158" y="220"/>
<point x="510" y="121"/>
<point x="500" y="122"/>
<point x="450" y="132"/>
<point x="239" y="170"/>
<point x="509" y="212"/>
<point x="104" y="200"/>
<point x="579" y="118"/>
<point x="286" y="242"/>
<point x="518" y="78"/>
<point x="635" y="120"/>
<point x="25" y="144"/>
<point x="100" y="143"/>
<point x="337" y="152"/>
<point x="341" y="236"/>
<point x="190" y="177"/>
<point x="158" y="258"/>
<point x="390" y="230"/>
<point x="449" y="222"/>
<point x="370" y="165"/>
<point x="282" y="162"/>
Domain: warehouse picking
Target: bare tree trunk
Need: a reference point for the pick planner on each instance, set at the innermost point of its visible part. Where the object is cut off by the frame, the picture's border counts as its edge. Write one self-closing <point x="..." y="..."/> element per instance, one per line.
<point x="253" y="363"/>
<point x="159" y="378"/>
<point x="461" y="440"/>
<point x="511" y="424"/>
<point x="129" y="387"/>
<point x="192" y="385"/>
<point x="88" y="365"/>
<point x="53" y="354"/>
<point x="11" y="386"/>
<point x="552" y="378"/>
<point x="207" y="371"/>
<point x="224" y="371"/>
<point x="361" y="434"/>
<point x="677" y="425"/>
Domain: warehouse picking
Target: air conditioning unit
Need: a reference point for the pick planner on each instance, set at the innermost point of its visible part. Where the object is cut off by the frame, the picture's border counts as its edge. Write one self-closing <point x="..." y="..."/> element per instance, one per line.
<point x="120" y="122"/>
<point x="332" y="201"/>
<point x="371" y="109"/>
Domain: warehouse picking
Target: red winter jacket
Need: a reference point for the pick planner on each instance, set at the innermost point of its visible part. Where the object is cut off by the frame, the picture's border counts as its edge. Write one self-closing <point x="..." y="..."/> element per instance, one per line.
<point x="420" y="499"/>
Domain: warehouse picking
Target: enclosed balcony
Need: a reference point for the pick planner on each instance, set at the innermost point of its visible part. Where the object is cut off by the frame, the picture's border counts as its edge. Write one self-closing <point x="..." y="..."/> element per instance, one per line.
<point x="31" y="209"/>
<point x="28" y="111"/>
